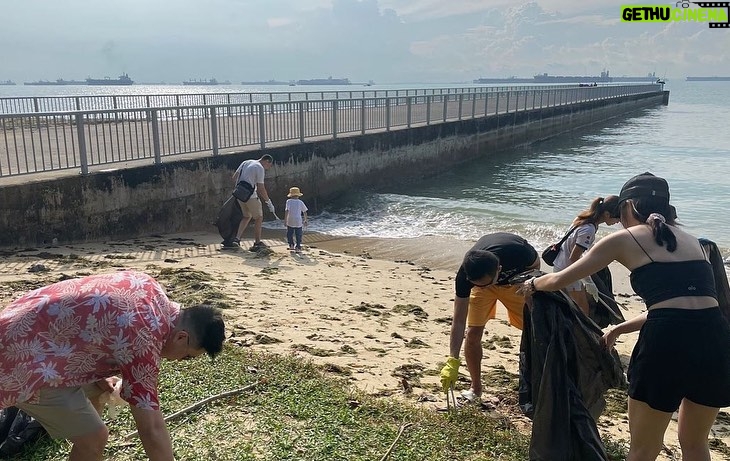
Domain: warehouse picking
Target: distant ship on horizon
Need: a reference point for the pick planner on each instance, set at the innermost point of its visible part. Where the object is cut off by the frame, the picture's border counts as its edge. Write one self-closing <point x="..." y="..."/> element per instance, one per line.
<point x="59" y="81"/>
<point x="267" y="82"/>
<point x="211" y="82"/>
<point x="121" y="80"/>
<point x="708" y="79"/>
<point x="324" y="81"/>
<point x="546" y="78"/>
<point x="7" y="83"/>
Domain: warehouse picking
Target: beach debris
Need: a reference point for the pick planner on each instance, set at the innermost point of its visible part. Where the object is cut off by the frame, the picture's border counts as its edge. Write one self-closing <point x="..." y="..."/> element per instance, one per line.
<point x="413" y="309"/>
<point x="38" y="267"/>
<point x="370" y="309"/>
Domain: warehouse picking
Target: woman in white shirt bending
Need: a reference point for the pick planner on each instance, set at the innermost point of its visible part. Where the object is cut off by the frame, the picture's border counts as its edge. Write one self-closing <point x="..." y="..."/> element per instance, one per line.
<point x="585" y="226"/>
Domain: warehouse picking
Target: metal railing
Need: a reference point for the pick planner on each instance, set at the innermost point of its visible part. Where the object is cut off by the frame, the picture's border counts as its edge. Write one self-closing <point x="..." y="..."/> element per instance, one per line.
<point x="49" y="141"/>
<point x="37" y="104"/>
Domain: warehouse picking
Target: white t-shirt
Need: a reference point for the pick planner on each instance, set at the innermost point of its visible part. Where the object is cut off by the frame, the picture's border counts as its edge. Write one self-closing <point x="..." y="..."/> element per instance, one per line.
<point x="295" y="207"/>
<point x="253" y="172"/>
<point x="583" y="236"/>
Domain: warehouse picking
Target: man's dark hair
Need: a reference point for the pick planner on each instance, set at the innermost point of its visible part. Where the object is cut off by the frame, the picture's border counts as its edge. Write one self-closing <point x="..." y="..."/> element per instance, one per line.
<point x="267" y="158"/>
<point x="480" y="263"/>
<point x="206" y="326"/>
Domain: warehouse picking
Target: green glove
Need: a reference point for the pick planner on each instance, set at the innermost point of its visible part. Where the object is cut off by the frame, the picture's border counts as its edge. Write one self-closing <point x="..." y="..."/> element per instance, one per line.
<point x="450" y="373"/>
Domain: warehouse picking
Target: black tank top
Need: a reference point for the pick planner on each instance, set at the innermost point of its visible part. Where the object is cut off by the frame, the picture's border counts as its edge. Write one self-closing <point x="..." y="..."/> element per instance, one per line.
<point x="659" y="281"/>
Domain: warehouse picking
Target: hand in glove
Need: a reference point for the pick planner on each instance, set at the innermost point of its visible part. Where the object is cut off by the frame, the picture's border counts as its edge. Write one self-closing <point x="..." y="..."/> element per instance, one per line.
<point x="450" y="373"/>
<point x="270" y="206"/>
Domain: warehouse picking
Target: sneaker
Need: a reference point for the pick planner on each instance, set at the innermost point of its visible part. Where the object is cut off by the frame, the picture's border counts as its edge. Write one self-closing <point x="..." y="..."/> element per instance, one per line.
<point x="236" y="242"/>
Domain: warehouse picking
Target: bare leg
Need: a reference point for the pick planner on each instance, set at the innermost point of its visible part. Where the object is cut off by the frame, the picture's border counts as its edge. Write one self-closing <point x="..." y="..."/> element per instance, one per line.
<point x="89" y="447"/>
<point x="257" y="228"/>
<point x="647" y="427"/>
<point x="242" y="226"/>
<point x="473" y="355"/>
<point x="581" y="299"/>
<point x="695" y="421"/>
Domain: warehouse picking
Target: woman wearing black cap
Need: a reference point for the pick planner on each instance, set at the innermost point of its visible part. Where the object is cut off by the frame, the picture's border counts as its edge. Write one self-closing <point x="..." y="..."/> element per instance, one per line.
<point x="682" y="357"/>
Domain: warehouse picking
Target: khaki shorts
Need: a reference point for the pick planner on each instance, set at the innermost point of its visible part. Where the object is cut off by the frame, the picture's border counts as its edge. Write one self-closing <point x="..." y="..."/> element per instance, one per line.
<point x="483" y="304"/>
<point x="66" y="412"/>
<point x="251" y="208"/>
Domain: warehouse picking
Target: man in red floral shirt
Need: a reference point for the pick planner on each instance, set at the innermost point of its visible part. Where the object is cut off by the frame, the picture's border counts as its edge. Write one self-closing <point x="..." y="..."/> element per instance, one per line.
<point x="58" y="344"/>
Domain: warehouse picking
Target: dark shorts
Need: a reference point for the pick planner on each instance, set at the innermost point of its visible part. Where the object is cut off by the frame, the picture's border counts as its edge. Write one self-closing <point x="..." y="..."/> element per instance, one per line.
<point x="681" y="353"/>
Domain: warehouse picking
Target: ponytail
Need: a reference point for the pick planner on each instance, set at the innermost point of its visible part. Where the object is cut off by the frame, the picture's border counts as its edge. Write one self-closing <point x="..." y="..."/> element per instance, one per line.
<point x="662" y="233"/>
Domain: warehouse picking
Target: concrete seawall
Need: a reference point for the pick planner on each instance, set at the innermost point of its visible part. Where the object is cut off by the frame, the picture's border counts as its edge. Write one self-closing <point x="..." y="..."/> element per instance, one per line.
<point x="186" y="195"/>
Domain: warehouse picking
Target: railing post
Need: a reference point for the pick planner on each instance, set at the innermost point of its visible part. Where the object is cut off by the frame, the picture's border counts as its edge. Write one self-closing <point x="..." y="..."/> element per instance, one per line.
<point x="177" y="104"/>
<point x="428" y="109"/>
<point x="155" y="136"/>
<point x="214" y="130"/>
<point x="114" y="104"/>
<point x="82" y="144"/>
<point x="362" y="115"/>
<point x="486" y="103"/>
<point x="387" y="114"/>
<point x="461" y="103"/>
<point x="534" y="95"/>
<point x="473" y="105"/>
<point x="301" y="121"/>
<point x="262" y="126"/>
<point x="35" y="105"/>
<point x="541" y="92"/>
<point x="446" y="103"/>
<point x="334" y="118"/>
<point x="506" y="105"/>
<point x="525" y="92"/>
<point x="408" y="110"/>
<point x="78" y="103"/>
<point x="496" y="107"/>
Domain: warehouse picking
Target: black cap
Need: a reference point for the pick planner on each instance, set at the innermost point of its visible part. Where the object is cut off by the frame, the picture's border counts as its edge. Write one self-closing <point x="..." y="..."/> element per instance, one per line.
<point x="644" y="185"/>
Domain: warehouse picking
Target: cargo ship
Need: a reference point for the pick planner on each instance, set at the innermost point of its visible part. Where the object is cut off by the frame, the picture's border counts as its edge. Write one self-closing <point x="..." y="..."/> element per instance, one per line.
<point x="546" y="78"/>
<point x="211" y="82"/>
<point x="324" y="81"/>
<point x="121" y="80"/>
<point x="267" y="82"/>
<point x="7" y="83"/>
<point x="708" y="79"/>
<point x="59" y="81"/>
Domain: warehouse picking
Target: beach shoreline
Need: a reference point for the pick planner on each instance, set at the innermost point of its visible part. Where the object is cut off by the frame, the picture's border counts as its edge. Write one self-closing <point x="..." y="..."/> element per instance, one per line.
<point x="375" y="311"/>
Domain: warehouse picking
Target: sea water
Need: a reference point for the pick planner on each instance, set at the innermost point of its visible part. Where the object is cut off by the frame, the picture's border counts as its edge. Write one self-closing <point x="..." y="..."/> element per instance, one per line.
<point x="537" y="191"/>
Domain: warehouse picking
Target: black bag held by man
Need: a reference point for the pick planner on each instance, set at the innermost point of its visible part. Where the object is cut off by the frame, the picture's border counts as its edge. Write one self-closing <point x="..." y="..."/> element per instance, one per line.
<point x="243" y="191"/>
<point x="551" y="252"/>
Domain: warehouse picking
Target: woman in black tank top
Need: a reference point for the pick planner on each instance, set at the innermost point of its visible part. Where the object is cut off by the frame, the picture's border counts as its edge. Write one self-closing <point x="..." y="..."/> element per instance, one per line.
<point x="682" y="357"/>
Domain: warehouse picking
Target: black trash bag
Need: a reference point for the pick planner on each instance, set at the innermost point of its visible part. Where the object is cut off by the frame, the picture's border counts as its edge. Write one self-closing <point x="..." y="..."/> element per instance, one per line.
<point x="23" y="431"/>
<point x="605" y="311"/>
<point x="718" y="269"/>
<point x="564" y="373"/>
<point x="7" y="416"/>
<point x="229" y="218"/>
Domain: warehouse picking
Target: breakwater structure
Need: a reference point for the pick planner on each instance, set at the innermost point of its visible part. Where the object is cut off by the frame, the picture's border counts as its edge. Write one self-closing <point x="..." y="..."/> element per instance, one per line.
<point x="70" y="176"/>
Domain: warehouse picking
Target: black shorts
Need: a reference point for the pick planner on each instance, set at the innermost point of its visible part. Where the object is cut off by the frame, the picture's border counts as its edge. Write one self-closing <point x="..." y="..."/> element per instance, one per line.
<point x="681" y="353"/>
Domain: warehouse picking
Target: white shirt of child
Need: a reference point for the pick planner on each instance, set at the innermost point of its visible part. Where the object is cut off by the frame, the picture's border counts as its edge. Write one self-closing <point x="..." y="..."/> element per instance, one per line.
<point x="295" y="207"/>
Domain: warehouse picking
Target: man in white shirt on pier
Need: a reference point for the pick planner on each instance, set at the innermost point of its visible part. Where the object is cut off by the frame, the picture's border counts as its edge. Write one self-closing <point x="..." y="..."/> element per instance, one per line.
<point x="253" y="172"/>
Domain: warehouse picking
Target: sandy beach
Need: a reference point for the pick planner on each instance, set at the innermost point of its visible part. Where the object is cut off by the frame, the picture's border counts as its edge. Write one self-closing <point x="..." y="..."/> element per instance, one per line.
<point x="376" y="311"/>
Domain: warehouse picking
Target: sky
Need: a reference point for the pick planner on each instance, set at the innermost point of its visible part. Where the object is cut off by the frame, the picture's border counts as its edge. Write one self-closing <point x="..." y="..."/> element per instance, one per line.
<point x="387" y="41"/>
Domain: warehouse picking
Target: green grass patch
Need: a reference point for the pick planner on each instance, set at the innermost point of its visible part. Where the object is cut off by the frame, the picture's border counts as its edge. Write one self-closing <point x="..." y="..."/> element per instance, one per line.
<point x="297" y="412"/>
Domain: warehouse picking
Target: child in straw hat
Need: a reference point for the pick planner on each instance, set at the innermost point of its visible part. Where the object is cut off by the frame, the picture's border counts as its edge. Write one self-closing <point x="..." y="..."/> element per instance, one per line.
<point x="295" y="218"/>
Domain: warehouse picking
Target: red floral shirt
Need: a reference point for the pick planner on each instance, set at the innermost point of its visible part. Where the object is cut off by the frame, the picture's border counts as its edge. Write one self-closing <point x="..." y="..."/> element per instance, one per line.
<point x="82" y="330"/>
